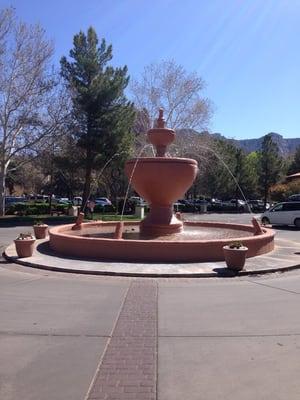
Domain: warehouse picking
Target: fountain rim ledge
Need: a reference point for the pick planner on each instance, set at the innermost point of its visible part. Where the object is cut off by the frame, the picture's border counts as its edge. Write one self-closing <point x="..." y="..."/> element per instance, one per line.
<point x="159" y="251"/>
<point x="163" y="159"/>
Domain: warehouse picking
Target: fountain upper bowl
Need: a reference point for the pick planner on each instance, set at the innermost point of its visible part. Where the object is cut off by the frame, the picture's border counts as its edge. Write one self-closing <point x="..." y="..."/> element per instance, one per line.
<point x="161" y="180"/>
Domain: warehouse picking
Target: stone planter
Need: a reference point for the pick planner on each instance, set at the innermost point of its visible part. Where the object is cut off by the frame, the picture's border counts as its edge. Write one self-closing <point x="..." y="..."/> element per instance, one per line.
<point x="235" y="257"/>
<point x="24" y="247"/>
<point x="40" y="231"/>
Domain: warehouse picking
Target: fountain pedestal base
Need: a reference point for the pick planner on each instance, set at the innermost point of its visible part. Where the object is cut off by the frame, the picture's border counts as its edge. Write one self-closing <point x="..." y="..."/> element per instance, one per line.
<point x="160" y="221"/>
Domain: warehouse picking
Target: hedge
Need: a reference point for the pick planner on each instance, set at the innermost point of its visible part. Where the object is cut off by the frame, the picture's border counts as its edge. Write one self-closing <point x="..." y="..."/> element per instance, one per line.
<point x="33" y="209"/>
<point x="43" y="208"/>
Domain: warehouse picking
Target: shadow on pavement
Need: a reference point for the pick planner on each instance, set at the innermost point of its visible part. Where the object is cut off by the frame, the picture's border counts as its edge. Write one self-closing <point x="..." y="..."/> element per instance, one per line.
<point x="225" y="272"/>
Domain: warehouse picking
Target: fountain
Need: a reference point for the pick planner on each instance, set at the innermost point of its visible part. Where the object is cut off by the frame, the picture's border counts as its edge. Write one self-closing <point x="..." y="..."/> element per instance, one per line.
<point x="161" y="181"/>
<point x="162" y="236"/>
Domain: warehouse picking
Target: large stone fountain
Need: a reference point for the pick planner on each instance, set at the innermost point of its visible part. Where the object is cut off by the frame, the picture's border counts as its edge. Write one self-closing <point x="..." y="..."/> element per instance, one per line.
<point x="161" y="236"/>
<point x="161" y="181"/>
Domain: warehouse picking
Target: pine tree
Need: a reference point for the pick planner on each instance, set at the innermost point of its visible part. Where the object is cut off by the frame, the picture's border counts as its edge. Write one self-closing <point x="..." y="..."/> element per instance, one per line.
<point x="270" y="164"/>
<point x="295" y="165"/>
<point x="103" y="117"/>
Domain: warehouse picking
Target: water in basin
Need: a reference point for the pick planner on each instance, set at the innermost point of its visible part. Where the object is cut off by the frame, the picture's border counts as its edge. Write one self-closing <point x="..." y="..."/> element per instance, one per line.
<point x="189" y="233"/>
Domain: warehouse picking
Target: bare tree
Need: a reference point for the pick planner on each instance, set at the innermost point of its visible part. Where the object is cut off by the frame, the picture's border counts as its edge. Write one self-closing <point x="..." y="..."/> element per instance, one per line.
<point x="170" y="86"/>
<point x="32" y="106"/>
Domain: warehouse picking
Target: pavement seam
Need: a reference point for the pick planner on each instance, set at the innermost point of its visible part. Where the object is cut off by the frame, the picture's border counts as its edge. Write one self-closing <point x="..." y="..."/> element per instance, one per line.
<point x="10" y="333"/>
<point x="230" y="336"/>
<point x="272" y="287"/>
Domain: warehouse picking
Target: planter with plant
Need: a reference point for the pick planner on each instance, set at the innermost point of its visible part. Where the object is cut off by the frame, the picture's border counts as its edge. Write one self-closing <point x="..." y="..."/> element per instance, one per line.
<point x="24" y="245"/>
<point x="235" y="255"/>
<point x="40" y="229"/>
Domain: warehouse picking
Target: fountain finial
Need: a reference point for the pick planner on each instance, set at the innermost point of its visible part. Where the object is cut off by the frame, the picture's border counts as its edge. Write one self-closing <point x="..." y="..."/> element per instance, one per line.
<point x="160" y="136"/>
<point x="160" y="120"/>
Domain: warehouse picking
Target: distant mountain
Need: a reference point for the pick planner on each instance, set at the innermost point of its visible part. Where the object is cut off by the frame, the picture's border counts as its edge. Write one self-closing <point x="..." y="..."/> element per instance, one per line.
<point x="285" y="146"/>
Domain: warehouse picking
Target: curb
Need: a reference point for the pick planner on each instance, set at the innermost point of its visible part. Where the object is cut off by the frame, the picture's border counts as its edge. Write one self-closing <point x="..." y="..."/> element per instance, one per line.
<point x="226" y="274"/>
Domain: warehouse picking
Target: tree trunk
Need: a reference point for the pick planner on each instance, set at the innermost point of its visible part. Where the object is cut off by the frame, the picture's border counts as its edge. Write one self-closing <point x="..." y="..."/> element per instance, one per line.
<point x="237" y="199"/>
<point x="3" y="171"/>
<point x="87" y="185"/>
<point x="266" y="192"/>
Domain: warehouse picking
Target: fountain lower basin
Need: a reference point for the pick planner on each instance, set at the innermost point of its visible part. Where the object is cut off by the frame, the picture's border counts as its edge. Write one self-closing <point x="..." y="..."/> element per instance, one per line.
<point x="95" y="241"/>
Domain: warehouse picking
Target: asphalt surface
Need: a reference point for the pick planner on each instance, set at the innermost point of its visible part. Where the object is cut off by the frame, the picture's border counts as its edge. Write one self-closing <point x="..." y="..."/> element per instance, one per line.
<point x="230" y="338"/>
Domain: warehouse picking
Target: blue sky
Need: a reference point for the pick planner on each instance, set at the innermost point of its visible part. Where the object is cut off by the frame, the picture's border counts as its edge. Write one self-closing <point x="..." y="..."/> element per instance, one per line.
<point x="247" y="51"/>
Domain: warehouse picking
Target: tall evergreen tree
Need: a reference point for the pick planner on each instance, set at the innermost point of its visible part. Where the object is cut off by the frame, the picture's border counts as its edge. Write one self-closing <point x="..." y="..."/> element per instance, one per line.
<point x="295" y="165"/>
<point x="270" y="164"/>
<point x="103" y="116"/>
<point x="252" y="166"/>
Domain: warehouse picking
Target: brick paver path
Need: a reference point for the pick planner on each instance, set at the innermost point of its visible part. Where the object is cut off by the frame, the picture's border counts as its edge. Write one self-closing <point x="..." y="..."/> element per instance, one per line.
<point x="128" y="369"/>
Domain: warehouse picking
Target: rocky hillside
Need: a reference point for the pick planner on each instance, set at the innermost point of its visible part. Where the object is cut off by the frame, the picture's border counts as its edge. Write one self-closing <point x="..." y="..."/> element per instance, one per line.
<point x="286" y="146"/>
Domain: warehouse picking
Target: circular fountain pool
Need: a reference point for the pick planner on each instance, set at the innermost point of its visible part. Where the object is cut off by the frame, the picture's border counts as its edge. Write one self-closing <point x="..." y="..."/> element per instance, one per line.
<point x="199" y="241"/>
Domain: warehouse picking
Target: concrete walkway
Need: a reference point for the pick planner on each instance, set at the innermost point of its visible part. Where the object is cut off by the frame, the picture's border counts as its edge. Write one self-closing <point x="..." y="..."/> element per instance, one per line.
<point x="70" y="337"/>
<point x="79" y="337"/>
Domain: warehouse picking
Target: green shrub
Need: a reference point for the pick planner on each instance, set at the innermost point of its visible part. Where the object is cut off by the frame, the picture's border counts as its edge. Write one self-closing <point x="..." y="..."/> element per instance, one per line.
<point x="60" y="207"/>
<point x="19" y="208"/>
<point x="31" y="211"/>
<point x="42" y="208"/>
<point x="28" y="209"/>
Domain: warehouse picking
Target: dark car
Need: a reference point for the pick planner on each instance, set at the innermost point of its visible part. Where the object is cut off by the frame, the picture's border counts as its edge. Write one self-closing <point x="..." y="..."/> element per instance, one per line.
<point x="258" y="205"/>
<point x="11" y="200"/>
<point x="235" y="205"/>
<point x="214" y="205"/>
<point x="294" y="197"/>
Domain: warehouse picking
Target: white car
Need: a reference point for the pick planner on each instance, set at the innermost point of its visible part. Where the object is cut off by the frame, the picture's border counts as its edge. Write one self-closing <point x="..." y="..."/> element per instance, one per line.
<point x="102" y="201"/>
<point x="283" y="214"/>
<point x="138" y="201"/>
<point x="77" y="201"/>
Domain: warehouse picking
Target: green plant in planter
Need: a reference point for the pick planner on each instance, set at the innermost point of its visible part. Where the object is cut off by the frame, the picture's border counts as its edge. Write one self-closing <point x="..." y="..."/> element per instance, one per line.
<point x="24" y="244"/>
<point x="235" y="245"/>
<point x="235" y="255"/>
<point x="25" y="236"/>
<point x="40" y="229"/>
<point x="38" y="222"/>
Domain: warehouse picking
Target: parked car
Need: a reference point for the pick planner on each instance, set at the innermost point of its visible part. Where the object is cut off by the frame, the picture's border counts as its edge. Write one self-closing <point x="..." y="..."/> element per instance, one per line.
<point x="185" y="202"/>
<point x="10" y="200"/>
<point x="214" y="205"/>
<point x="287" y="213"/>
<point x="201" y="205"/>
<point x="235" y="205"/>
<point x="64" y="200"/>
<point x="258" y="205"/>
<point x="77" y="201"/>
<point x="294" y="197"/>
<point x="137" y="201"/>
<point x="183" y="205"/>
<point x="38" y="198"/>
<point x="102" y="201"/>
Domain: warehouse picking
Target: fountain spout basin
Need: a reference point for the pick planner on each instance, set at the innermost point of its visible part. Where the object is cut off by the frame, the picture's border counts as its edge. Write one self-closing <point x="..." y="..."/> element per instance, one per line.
<point x="161" y="181"/>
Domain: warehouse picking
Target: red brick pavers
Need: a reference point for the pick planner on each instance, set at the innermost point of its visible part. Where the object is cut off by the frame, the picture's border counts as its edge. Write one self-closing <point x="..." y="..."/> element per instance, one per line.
<point x="128" y="369"/>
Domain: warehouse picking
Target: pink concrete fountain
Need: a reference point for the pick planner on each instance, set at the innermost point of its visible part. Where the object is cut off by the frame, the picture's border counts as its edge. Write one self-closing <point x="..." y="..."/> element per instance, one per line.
<point x="161" y="181"/>
<point x="161" y="236"/>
